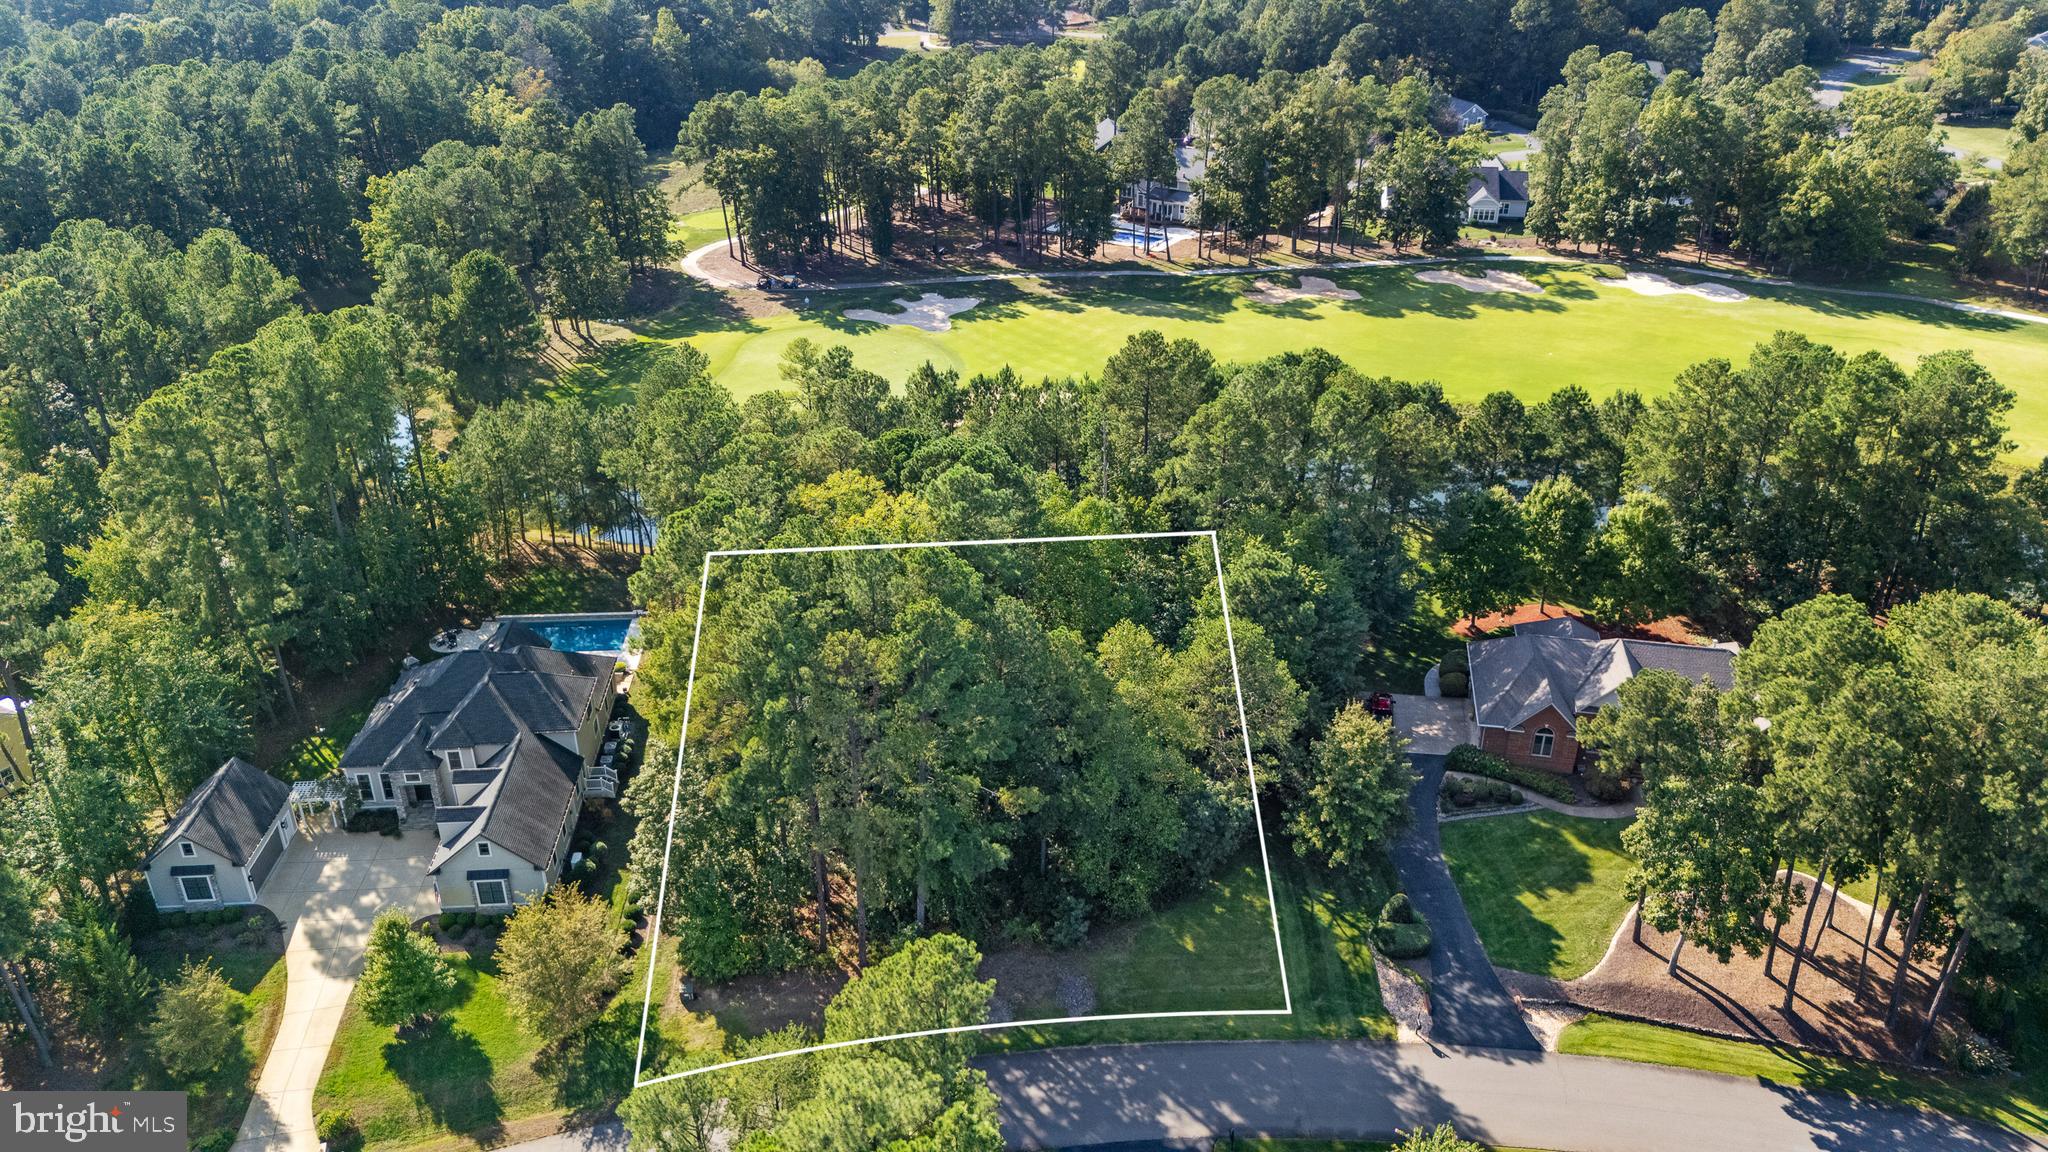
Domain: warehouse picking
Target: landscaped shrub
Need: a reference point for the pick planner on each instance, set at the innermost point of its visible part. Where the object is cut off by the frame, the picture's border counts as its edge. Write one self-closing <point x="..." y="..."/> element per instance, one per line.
<point x="172" y="921"/>
<point x="448" y="920"/>
<point x="218" y="1140"/>
<point x="1468" y="758"/>
<point x="337" y="1129"/>
<point x="1603" y="785"/>
<point x="1401" y="934"/>
<point x="226" y="915"/>
<point x="463" y="921"/>
<point x="380" y="820"/>
<point x="1456" y="660"/>
<point x="1454" y="684"/>
<point x="1464" y="793"/>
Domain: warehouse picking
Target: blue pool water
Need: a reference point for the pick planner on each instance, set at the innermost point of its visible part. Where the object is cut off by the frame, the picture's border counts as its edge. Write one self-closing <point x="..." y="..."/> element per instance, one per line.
<point x="584" y="635"/>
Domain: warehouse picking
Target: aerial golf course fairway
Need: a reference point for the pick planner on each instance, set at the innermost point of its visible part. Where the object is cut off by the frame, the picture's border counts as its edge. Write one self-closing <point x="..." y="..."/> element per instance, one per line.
<point x="1602" y="337"/>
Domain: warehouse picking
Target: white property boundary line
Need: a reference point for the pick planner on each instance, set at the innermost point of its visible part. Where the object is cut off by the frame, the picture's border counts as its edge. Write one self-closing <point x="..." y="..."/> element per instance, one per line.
<point x="676" y="791"/>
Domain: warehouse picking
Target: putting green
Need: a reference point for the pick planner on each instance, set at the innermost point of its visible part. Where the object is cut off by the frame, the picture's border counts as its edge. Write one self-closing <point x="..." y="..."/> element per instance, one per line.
<point x="1600" y="337"/>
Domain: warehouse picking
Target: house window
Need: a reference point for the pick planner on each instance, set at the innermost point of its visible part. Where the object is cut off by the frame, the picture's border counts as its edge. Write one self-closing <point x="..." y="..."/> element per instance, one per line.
<point x="412" y="777"/>
<point x="185" y="849"/>
<point x="363" y="787"/>
<point x="197" y="889"/>
<point x="1541" y="744"/>
<point x="489" y="893"/>
<point x="483" y="848"/>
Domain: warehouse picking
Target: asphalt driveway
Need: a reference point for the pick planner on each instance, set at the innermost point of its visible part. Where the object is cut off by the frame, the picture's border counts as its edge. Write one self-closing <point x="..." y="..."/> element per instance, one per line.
<point x="1468" y="1005"/>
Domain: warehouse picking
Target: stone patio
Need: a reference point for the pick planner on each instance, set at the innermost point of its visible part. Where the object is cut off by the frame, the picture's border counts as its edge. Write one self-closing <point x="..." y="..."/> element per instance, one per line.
<point x="327" y="891"/>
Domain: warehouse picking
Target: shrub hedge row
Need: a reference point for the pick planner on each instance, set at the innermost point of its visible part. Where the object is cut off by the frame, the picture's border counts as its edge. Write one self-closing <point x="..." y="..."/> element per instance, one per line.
<point x="1468" y="758"/>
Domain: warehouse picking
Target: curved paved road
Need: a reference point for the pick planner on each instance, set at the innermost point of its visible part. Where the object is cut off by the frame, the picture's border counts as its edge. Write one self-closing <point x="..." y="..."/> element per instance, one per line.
<point x="1468" y="1005"/>
<point x="1128" y="1094"/>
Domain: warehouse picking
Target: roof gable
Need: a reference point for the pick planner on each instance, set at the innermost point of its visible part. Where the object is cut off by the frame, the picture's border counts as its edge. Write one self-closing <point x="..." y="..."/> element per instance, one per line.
<point x="229" y="814"/>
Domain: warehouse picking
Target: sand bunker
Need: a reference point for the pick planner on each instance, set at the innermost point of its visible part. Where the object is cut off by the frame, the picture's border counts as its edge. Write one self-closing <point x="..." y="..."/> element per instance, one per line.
<point x="930" y="312"/>
<point x="1493" y="281"/>
<point x="1651" y="284"/>
<point x="1312" y="288"/>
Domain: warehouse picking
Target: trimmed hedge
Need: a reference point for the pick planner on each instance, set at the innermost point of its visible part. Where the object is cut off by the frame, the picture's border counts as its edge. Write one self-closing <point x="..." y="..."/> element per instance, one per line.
<point x="1401" y="934"/>
<point x="1468" y="758"/>
<point x="1455" y="685"/>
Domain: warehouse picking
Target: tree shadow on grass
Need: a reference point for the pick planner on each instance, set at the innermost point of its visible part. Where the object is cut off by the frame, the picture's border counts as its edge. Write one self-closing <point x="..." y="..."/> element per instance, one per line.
<point x="1498" y="860"/>
<point x="593" y="1071"/>
<point x="449" y="1076"/>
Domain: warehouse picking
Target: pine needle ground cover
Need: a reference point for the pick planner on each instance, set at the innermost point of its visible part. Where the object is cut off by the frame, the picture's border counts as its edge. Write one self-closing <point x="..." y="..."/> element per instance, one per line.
<point x="1035" y="745"/>
<point x="1578" y="331"/>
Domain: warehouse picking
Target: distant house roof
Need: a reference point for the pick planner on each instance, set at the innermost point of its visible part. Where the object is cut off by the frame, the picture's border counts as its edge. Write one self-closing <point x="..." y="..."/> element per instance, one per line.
<point x="230" y="813"/>
<point x="1105" y="131"/>
<point x="1502" y="184"/>
<point x="1514" y="678"/>
<point x="1466" y="113"/>
<point x="2038" y="40"/>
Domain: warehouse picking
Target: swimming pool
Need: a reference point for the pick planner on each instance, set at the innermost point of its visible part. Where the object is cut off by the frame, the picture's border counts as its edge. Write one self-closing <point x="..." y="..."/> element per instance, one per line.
<point x="604" y="634"/>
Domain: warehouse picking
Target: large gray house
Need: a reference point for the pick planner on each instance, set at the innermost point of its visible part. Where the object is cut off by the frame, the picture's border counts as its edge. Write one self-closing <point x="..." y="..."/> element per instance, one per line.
<point x="496" y="747"/>
<point x="222" y="845"/>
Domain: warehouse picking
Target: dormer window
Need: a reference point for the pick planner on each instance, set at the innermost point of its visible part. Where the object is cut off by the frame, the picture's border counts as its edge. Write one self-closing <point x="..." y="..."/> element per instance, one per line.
<point x="454" y="757"/>
<point x="483" y="847"/>
<point x="185" y="849"/>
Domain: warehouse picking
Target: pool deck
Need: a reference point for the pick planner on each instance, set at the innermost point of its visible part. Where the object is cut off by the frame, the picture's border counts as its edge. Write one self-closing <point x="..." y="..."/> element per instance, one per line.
<point x="471" y="639"/>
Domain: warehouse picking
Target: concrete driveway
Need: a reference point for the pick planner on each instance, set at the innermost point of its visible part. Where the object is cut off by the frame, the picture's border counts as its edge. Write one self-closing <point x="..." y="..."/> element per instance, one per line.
<point x="1433" y="725"/>
<point x="327" y="891"/>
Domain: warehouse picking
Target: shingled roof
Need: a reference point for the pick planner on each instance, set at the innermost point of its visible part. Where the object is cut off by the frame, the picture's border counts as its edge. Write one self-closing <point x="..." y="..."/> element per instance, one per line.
<point x="230" y="813"/>
<point x="1516" y="677"/>
<point x="477" y="699"/>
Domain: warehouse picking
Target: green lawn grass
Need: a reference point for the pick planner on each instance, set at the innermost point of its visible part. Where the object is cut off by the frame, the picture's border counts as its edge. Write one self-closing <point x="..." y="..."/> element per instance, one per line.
<point x="1324" y="924"/>
<point x="1979" y="139"/>
<point x="1543" y="889"/>
<point x="2019" y="1106"/>
<point x="1601" y="338"/>
<point x="257" y="975"/>
<point x="477" y="1070"/>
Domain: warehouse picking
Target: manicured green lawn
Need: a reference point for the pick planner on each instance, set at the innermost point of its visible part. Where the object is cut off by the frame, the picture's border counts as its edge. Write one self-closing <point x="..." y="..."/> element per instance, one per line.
<point x="1979" y="140"/>
<point x="1602" y="338"/>
<point x="2017" y="1106"/>
<point x="1211" y="950"/>
<point x="1544" y="889"/>
<point x="1228" y="962"/>
<point x="476" y="1070"/>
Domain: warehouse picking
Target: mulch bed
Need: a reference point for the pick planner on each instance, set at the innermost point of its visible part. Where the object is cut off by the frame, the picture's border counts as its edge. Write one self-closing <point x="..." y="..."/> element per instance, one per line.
<point x="1738" y="999"/>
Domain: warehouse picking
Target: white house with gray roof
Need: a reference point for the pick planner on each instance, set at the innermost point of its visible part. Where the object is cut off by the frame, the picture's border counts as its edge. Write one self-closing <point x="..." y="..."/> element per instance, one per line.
<point x="496" y="747"/>
<point x="224" y="842"/>
<point x="1530" y="690"/>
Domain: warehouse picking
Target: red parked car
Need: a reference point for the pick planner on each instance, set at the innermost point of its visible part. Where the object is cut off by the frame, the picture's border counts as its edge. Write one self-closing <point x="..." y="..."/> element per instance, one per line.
<point x="1381" y="705"/>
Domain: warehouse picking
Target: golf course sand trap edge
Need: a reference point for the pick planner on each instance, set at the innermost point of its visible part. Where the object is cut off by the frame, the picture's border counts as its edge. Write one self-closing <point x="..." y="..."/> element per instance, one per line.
<point x="1652" y="284"/>
<point x="1493" y="281"/>
<point x="1312" y="288"/>
<point x="930" y="312"/>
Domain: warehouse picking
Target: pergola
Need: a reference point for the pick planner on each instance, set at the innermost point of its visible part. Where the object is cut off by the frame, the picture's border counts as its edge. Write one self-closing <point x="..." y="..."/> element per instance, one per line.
<point x="324" y="801"/>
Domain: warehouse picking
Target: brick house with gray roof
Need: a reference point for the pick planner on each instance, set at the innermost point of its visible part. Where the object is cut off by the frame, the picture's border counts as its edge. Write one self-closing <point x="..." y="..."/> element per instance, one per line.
<point x="1531" y="689"/>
